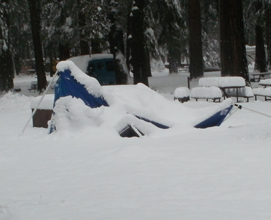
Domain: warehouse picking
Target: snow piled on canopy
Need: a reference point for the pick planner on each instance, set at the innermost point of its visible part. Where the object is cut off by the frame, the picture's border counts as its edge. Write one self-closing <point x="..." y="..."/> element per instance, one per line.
<point x="126" y="104"/>
<point x="91" y="84"/>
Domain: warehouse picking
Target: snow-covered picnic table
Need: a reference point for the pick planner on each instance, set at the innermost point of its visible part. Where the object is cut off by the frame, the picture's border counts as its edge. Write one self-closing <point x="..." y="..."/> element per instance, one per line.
<point x="229" y="85"/>
<point x="265" y="82"/>
<point x="256" y="77"/>
<point x="265" y="90"/>
<point x="223" y="82"/>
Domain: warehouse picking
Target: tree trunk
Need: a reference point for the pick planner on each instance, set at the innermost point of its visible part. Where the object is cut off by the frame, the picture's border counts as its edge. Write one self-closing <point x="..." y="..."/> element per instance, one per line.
<point x="195" y="43"/>
<point x="268" y="35"/>
<point x="260" y="59"/>
<point x="6" y="63"/>
<point x="174" y="57"/>
<point x="239" y="61"/>
<point x="6" y="71"/>
<point x="116" y="45"/>
<point x="225" y="39"/>
<point x="139" y="52"/>
<point x="36" y="27"/>
<point x="84" y="47"/>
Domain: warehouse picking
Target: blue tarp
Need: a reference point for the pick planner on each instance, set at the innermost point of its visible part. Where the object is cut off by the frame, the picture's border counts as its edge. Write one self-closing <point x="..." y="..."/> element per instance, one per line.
<point x="66" y="85"/>
<point x="215" y="120"/>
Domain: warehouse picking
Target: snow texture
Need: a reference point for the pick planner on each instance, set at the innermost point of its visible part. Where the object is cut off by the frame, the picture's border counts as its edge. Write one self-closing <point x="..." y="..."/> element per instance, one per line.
<point x="92" y="173"/>
<point x="47" y="102"/>
<point x="181" y="92"/>
<point x="206" y="92"/>
<point x="265" y="82"/>
<point x="222" y="81"/>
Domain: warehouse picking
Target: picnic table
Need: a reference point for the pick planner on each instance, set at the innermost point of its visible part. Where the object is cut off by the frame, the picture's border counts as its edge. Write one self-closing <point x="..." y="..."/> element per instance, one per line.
<point x="256" y="77"/>
<point x="33" y="86"/>
<point x="265" y="82"/>
<point x="227" y="84"/>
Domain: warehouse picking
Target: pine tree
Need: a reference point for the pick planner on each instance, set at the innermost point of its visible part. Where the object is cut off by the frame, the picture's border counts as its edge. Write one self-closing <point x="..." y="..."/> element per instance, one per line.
<point x="210" y="33"/>
<point x="34" y="8"/>
<point x="257" y="10"/>
<point x="239" y="61"/>
<point x="6" y="64"/>
<point x="232" y="38"/>
<point x="84" y="47"/>
<point x="172" y="33"/>
<point x="225" y="38"/>
<point x="140" y="59"/>
<point x="116" y="42"/>
<point x="195" y="39"/>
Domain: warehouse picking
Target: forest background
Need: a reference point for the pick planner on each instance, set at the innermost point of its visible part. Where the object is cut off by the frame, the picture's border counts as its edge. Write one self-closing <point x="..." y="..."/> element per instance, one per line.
<point x="202" y="33"/>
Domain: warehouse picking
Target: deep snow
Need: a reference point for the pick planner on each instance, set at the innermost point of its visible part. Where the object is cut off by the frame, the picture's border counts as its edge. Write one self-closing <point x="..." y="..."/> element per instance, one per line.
<point x="92" y="173"/>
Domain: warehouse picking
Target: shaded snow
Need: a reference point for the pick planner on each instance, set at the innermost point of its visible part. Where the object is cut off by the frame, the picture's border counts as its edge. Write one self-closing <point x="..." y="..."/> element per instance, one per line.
<point x="179" y="173"/>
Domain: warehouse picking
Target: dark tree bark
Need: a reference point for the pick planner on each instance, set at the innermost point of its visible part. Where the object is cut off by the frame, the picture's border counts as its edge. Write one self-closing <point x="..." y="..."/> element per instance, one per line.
<point x="140" y="56"/>
<point x="260" y="59"/>
<point x="36" y="27"/>
<point x="84" y="47"/>
<point x="174" y="57"/>
<point x="225" y="39"/>
<point x="232" y="39"/>
<point x="268" y="35"/>
<point x="116" y="44"/>
<point x="6" y="71"/>
<point x="195" y="43"/>
<point x="6" y="63"/>
<point x="239" y="61"/>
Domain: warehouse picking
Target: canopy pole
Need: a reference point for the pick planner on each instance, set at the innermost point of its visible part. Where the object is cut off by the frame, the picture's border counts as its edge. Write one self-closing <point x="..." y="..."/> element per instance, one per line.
<point x="240" y="107"/>
<point x="44" y="93"/>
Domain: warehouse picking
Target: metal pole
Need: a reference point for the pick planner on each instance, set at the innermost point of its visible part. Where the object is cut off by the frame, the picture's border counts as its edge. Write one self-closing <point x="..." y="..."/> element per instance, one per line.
<point x="33" y="113"/>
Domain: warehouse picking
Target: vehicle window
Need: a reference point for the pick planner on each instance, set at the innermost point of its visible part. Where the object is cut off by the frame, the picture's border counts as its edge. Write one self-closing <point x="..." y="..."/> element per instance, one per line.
<point x="110" y="66"/>
<point x="100" y="66"/>
<point x="91" y="68"/>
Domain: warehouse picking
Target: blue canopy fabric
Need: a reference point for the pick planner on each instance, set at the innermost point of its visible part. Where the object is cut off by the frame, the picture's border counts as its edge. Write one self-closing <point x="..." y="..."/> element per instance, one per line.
<point x="216" y="119"/>
<point x="66" y="85"/>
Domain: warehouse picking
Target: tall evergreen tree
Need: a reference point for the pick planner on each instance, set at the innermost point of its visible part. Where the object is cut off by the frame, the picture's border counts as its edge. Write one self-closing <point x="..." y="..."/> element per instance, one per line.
<point x="140" y="59"/>
<point x="84" y="47"/>
<point x="173" y="33"/>
<point x="34" y="9"/>
<point x="195" y="39"/>
<point x="116" y="42"/>
<point x="225" y="38"/>
<point x="6" y="64"/>
<point x="256" y="9"/>
<point x="210" y="33"/>
<point x="232" y="39"/>
<point x="260" y="56"/>
<point x="239" y="61"/>
<point x="268" y="33"/>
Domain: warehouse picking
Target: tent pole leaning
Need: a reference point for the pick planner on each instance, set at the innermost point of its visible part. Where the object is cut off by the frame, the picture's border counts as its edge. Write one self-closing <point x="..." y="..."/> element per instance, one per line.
<point x="44" y="93"/>
<point x="240" y="107"/>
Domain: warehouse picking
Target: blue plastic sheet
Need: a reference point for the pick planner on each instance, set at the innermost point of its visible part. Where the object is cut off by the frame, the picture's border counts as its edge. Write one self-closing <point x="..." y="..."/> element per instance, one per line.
<point x="66" y="85"/>
<point x="215" y="120"/>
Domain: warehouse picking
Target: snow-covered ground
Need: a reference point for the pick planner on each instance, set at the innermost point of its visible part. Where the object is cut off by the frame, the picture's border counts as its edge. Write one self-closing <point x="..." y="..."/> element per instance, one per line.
<point x="93" y="173"/>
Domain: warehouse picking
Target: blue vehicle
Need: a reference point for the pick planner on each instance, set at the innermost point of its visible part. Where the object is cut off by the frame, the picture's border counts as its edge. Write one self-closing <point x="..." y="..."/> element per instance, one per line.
<point x="102" y="67"/>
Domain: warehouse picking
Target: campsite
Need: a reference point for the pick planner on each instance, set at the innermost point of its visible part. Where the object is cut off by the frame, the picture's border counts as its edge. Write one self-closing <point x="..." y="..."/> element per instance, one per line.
<point x="86" y="170"/>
